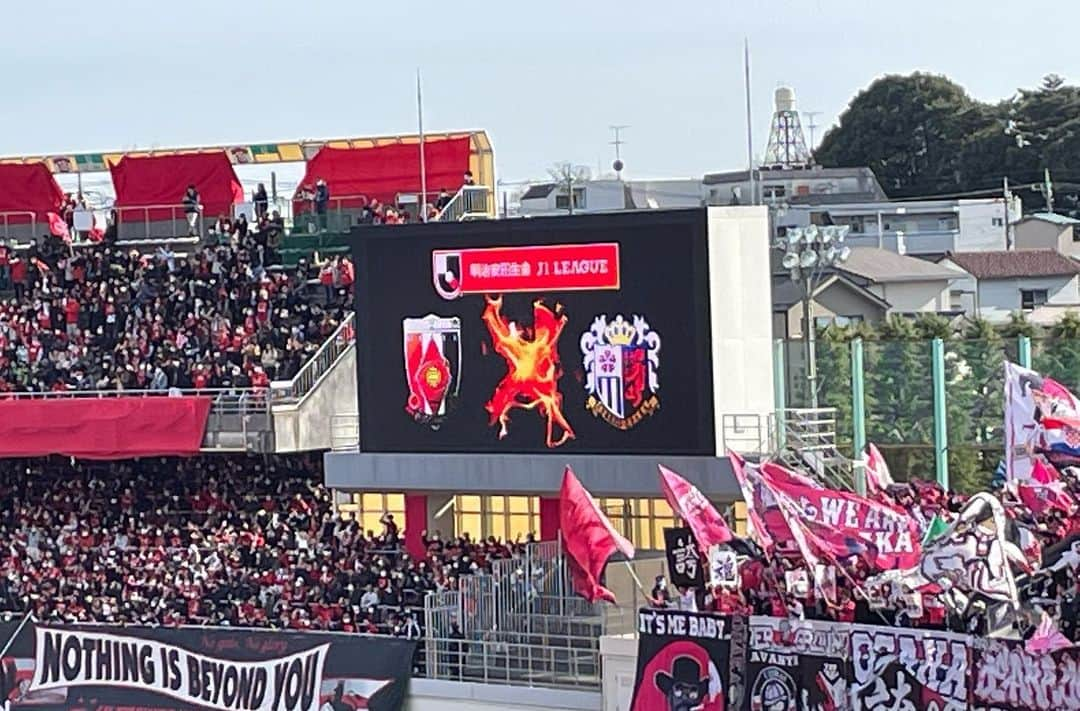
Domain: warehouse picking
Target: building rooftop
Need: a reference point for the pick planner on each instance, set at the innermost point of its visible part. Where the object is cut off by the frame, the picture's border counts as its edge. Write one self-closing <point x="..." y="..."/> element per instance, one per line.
<point x="1051" y="217"/>
<point x="786" y="293"/>
<point x="1010" y="265"/>
<point x="883" y="266"/>
<point x="537" y="191"/>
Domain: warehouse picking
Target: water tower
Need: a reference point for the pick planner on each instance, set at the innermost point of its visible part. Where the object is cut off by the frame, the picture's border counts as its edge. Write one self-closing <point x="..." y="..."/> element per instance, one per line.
<point x="787" y="146"/>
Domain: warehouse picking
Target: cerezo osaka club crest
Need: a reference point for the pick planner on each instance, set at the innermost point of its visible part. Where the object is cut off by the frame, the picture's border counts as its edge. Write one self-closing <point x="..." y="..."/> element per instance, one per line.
<point x="622" y="362"/>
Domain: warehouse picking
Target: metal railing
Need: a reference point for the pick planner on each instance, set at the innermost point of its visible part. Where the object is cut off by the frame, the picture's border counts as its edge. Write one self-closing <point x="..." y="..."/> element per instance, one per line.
<point x="471" y="202"/>
<point x="336" y="345"/>
<point x="510" y="658"/>
<point x="175" y="216"/>
<point x="747" y="433"/>
<point x="810" y="442"/>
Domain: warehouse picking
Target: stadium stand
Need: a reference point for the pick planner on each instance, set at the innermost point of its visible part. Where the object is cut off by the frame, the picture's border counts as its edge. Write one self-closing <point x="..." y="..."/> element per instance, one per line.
<point x="106" y="317"/>
<point x="151" y="194"/>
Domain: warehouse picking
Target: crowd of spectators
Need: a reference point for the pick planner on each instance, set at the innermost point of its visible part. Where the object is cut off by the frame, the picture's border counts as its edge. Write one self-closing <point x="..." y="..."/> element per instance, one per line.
<point x="102" y="316"/>
<point x="785" y="586"/>
<point x="216" y="540"/>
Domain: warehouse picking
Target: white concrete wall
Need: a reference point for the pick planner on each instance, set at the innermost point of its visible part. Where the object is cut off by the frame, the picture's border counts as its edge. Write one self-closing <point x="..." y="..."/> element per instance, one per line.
<point x="1000" y="297"/>
<point x="434" y="695"/>
<point x="618" y="659"/>
<point x="978" y="232"/>
<point x="741" y="312"/>
<point x="306" y="427"/>
<point x="912" y="296"/>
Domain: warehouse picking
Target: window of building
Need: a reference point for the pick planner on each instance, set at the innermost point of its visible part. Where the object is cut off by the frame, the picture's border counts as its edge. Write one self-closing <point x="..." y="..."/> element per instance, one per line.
<point x="561" y="201"/>
<point x="368" y="508"/>
<point x="997" y="221"/>
<point x="947" y="223"/>
<point x="505" y="517"/>
<point x="1030" y="298"/>
<point x="641" y="520"/>
<point x="773" y="192"/>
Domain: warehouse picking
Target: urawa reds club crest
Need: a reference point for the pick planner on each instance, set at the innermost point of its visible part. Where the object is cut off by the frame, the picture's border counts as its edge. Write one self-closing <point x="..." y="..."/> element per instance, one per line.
<point x="432" y="366"/>
<point x="622" y="362"/>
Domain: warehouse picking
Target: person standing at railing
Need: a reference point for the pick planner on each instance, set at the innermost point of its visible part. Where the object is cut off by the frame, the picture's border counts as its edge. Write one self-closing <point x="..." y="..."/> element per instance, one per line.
<point x="191" y="209"/>
<point x="444" y="199"/>
<point x="322" y="201"/>
<point x="262" y="202"/>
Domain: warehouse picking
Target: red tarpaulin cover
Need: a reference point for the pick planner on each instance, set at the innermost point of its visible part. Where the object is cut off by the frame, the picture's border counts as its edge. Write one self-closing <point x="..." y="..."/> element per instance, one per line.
<point x="103" y="428"/>
<point x="381" y="172"/>
<point x="28" y="188"/>
<point x="162" y="180"/>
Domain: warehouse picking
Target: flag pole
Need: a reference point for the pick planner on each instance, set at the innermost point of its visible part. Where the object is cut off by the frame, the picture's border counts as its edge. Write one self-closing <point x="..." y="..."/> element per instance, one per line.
<point x="420" y="130"/>
<point x="15" y="634"/>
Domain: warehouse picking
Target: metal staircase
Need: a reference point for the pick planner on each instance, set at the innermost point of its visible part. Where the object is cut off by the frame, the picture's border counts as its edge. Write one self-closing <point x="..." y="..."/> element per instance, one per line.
<point x="808" y="442"/>
<point x="472" y="202"/>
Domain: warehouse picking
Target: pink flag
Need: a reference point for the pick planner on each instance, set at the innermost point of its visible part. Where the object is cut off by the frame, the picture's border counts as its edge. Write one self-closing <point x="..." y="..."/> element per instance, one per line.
<point x="847" y="521"/>
<point x="878" y="478"/>
<point x="753" y="509"/>
<point x="1043" y="472"/>
<point x="589" y="539"/>
<point x="691" y="506"/>
<point x="1047" y="638"/>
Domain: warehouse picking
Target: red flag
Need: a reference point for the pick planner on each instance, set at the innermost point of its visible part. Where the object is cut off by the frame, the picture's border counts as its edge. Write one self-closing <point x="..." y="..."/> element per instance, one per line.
<point x="847" y="521"/>
<point x="1040" y="498"/>
<point x="58" y="227"/>
<point x="691" y="506"/>
<point x="589" y="539"/>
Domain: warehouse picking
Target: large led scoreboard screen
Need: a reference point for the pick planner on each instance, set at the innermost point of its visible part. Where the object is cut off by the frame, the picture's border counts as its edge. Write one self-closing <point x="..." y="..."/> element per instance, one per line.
<point x="581" y="334"/>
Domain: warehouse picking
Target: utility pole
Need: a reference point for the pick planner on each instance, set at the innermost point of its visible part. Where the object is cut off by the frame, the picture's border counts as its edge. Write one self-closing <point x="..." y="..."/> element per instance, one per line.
<point x="810" y="116"/>
<point x="1048" y="190"/>
<point x="749" y="122"/>
<point x="1008" y="227"/>
<point x="618" y="143"/>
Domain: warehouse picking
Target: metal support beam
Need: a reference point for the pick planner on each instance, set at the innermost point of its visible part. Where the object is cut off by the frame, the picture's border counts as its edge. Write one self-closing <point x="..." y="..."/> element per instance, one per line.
<point x="858" y="414"/>
<point x="941" y="432"/>
<point x="1024" y="351"/>
<point x="779" y="391"/>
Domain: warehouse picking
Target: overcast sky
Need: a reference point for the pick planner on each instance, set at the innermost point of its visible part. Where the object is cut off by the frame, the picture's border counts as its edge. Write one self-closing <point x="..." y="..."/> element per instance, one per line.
<point x="545" y="79"/>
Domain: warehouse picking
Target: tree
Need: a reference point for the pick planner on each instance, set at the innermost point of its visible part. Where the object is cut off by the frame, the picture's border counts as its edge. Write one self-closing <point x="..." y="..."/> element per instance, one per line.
<point x="975" y="451"/>
<point x="1018" y="325"/>
<point x="908" y="130"/>
<point x="900" y="388"/>
<point x="1059" y="356"/>
<point x="922" y="134"/>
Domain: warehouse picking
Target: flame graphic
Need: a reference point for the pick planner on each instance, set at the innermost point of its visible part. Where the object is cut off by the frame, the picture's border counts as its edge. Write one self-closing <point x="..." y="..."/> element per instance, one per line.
<point x="533" y="371"/>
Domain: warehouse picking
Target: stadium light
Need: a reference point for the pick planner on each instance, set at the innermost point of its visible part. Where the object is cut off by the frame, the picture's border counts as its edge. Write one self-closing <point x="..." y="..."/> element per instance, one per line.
<point x="809" y="254"/>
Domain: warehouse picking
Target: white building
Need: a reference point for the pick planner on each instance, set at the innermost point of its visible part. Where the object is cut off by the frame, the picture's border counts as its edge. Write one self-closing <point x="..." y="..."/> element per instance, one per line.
<point x="994" y="285"/>
<point x="608" y="195"/>
<point x="794" y="186"/>
<point x="924" y="227"/>
<point x="1044" y="230"/>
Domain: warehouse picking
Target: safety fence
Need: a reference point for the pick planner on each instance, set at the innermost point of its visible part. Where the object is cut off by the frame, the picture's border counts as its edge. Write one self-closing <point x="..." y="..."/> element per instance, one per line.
<point x="146" y="223"/>
<point x="934" y="407"/>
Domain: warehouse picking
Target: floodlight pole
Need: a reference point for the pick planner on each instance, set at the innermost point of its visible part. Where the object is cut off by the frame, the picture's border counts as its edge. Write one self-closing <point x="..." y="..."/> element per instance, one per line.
<point x="809" y="338"/>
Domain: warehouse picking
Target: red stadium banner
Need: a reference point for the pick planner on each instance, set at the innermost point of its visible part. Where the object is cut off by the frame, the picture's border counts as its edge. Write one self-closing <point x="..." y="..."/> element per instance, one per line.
<point x="502" y="270"/>
<point x="103" y="428"/>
